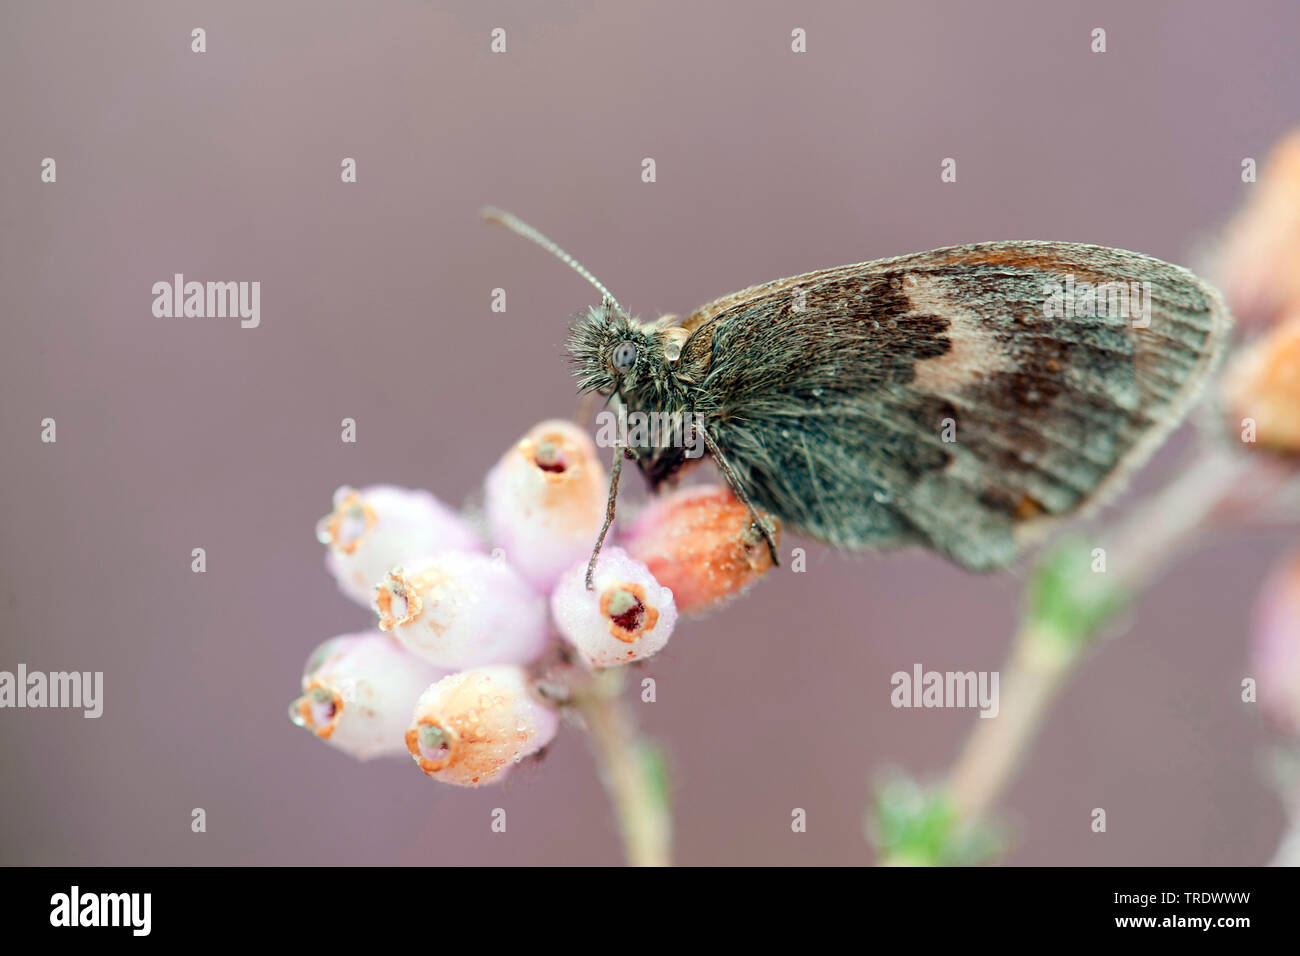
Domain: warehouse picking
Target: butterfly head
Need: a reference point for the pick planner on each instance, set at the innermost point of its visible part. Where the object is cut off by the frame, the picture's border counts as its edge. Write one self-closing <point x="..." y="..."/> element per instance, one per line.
<point x="611" y="352"/>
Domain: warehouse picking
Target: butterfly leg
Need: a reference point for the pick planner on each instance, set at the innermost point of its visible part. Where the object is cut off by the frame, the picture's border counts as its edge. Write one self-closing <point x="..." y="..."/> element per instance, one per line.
<point x="615" y="470"/>
<point x="738" y="490"/>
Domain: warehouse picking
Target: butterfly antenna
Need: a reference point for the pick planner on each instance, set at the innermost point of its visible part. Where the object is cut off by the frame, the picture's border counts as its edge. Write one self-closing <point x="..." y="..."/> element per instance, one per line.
<point x="518" y="226"/>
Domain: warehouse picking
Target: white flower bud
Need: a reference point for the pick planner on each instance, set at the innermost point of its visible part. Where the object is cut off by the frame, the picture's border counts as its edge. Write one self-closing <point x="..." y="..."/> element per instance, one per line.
<point x="371" y="530"/>
<point x="459" y="609"/>
<point x="627" y="616"/>
<point x="545" y="501"/>
<point x="358" y="691"/>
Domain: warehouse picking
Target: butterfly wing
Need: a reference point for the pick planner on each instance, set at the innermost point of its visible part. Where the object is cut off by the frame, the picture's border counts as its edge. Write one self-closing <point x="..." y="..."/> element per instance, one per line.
<point x="932" y="398"/>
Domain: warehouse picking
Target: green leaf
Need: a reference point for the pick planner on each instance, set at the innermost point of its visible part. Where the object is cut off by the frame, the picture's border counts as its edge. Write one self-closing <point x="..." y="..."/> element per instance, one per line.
<point x="1069" y="600"/>
<point x="914" y="826"/>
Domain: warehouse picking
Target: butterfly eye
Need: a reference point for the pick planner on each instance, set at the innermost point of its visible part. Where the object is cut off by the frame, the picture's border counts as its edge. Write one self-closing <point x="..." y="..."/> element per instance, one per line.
<point x="624" y="356"/>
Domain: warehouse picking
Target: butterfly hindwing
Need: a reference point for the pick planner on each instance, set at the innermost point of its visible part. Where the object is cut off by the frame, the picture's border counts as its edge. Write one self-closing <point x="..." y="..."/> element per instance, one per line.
<point x="931" y="399"/>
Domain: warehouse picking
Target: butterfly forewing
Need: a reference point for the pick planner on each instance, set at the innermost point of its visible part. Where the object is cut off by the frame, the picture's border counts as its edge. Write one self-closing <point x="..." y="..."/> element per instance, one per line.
<point x="960" y="398"/>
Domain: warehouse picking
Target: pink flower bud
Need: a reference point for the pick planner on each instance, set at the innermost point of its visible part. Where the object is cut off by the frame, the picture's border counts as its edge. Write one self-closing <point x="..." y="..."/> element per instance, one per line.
<point x="545" y="501"/>
<point x="627" y="616"/>
<point x="471" y="728"/>
<point x="701" y="543"/>
<point x="1263" y="384"/>
<point x="371" y="530"/>
<point x="1275" y="651"/>
<point x="459" y="609"/>
<point x="358" y="691"/>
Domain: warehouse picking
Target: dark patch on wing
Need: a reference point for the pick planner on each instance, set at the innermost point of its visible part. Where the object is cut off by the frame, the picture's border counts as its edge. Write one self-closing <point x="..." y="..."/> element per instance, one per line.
<point x="819" y="412"/>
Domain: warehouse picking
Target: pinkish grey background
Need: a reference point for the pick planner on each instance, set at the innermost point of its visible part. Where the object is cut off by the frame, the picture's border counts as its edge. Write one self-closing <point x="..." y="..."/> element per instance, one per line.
<point x="175" y="434"/>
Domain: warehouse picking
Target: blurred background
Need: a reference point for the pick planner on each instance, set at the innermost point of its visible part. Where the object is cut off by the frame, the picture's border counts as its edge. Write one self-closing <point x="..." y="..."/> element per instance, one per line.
<point x="175" y="434"/>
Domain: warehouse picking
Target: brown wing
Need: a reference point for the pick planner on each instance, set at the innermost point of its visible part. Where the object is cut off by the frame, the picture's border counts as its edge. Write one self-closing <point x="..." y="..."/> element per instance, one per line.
<point x="931" y="399"/>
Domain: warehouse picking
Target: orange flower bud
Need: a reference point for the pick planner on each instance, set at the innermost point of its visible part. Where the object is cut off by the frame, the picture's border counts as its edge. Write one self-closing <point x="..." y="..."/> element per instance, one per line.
<point x="1261" y="390"/>
<point x="470" y="728"/>
<point x="701" y="544"/>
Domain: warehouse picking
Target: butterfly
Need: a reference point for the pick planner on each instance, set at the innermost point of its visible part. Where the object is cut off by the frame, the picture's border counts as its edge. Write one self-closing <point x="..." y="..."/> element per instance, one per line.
<point x="965" y="399"/>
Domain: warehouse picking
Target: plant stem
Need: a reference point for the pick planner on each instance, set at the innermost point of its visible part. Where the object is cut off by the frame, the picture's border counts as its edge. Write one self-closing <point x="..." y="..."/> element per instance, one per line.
<point x="628" y="768"/>
<point x="1036" y="669"/>
<point x="1041" y="659"/>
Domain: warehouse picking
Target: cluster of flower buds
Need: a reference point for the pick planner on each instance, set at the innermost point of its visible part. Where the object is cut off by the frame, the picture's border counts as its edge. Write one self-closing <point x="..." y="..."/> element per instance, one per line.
<point x="467" y="616"/>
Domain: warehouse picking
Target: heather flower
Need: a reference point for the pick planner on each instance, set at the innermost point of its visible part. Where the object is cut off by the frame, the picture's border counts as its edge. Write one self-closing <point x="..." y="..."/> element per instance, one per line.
<point x="1262" y="387"/>
<point x="700" y="543"/>
<point x="545" y="501"/>
<point x="470" y="728"/>
<point x="477" y="653"/>
<point x="371" y="530"/>
<point x="461" y="609"/>
<point x="358" y="691"/>
<point x="627" y="616"/>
